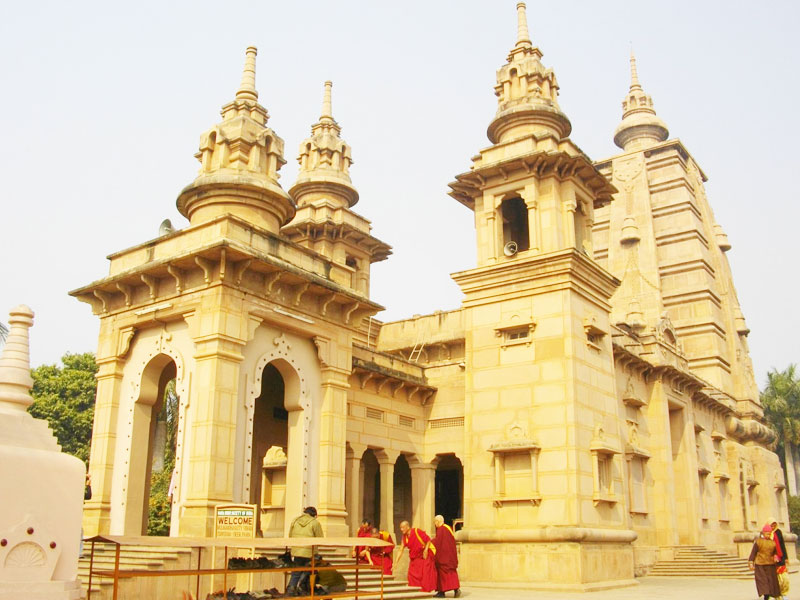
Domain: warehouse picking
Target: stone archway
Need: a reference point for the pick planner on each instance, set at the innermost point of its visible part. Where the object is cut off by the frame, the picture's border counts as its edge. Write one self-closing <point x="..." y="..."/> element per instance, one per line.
<point x="449" y="488"/>
<point x="269" y="453"/>
<point x="160" y="369"/>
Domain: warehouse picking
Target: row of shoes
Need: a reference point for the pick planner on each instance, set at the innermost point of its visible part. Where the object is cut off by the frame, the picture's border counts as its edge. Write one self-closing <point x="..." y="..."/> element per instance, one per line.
<point x="262" y="562"/>
<point x="232" y="594"/>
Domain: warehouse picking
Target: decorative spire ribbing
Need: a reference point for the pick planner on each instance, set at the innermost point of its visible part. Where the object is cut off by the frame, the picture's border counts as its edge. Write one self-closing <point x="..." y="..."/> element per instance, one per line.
<point x="15" y="367"/>
<point x="325" y="160"/>
<point x="247" y="90"/>
<point x="640" y="126"/>
<point x="527" y="92"/>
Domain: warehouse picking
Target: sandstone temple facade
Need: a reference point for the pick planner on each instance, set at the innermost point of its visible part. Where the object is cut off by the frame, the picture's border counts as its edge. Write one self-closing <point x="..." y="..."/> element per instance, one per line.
<point x="589" y="407"/>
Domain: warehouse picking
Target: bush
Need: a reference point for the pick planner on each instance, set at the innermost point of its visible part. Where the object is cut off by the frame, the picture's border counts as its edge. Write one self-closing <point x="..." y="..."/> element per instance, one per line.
<point x="794" y="513"/>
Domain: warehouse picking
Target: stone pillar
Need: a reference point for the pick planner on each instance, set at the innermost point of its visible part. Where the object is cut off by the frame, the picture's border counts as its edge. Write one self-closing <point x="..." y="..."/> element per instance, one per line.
<point x="211" y="451"/>
<point x="97" y="511"/>
<point x="660" y="464"/>
<point x="355" y="487"/>
<point x="386" y="460"/>
<point x="423" y="495"/>
<point x="331" y="505"/>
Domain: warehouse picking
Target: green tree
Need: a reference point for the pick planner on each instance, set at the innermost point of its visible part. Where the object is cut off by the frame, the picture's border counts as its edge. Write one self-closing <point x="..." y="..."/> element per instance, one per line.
<point x="781" y="402"/>
<point x="64" y="396"/>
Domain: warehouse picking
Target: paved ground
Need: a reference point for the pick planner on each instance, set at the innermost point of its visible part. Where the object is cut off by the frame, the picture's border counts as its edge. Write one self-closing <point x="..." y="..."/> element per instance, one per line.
<point x="649" y="588"/>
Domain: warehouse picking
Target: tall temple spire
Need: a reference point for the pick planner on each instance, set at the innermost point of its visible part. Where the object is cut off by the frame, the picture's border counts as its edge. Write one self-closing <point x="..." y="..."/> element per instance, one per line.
<point x="325" y="160"/>
<point x="527" y="93"/>
<point x="240" y="158"/>
<point x="247" y="90"/>
<point x="640" y="126"/>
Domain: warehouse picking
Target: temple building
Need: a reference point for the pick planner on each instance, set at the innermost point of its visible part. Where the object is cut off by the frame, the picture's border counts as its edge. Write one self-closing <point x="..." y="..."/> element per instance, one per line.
<point x="588" y="409"/>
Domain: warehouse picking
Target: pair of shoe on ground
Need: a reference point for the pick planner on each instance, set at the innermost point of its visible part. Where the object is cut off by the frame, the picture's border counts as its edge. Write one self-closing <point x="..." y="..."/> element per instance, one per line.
<point x="456" y="594"/>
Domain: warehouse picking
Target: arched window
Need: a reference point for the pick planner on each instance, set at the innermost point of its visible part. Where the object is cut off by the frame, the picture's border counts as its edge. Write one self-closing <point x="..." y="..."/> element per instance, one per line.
<point x="515" y="223"/>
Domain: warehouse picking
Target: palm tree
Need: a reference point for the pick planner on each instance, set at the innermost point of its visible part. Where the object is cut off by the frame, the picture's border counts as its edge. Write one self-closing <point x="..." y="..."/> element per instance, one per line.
<point x="781" y="401"/>
<point x="3" y="334"/>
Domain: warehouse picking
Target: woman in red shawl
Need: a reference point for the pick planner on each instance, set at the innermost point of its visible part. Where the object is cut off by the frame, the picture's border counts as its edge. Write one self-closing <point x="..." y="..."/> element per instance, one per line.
<point x="446" y="559"/>
<point x="382" y="555"/>
<point x="421" y="566"/>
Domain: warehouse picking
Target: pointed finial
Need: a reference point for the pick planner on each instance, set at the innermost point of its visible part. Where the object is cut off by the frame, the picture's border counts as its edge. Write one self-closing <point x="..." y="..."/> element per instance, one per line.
<point x="247" y="90"/>
<point x="15" y="367"/>
<point x="635" y="85"/>
<point x="327" y="111"/>
<point x="523" y="37"/>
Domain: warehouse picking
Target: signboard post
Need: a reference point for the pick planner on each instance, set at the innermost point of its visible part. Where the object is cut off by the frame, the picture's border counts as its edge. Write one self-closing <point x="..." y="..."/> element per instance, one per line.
<point x="235" y="521"/>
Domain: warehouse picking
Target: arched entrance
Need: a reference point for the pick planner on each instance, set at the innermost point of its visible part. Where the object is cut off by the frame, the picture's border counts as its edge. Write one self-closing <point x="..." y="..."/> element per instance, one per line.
<point x="148" y="444"/>
<point x="269" y="452"/>
<point x="449" y="498"/>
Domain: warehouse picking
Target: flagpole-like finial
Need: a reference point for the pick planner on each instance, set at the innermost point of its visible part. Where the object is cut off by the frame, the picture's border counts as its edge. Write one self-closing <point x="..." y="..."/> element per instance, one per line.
<point x="247" y="90"/>
<point x="327" y="110"/>
<point x="523" y="37"/>
<point x="634" y="74"/>
<point x="15" y="364"/>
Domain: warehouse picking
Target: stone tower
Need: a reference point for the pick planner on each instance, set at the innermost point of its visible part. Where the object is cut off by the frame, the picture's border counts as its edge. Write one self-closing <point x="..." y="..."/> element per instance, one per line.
<point x="256" y="331"/>
<point x="661" y="240"/>
<point x="324" y="195"/>
<point x="541" y="431"/>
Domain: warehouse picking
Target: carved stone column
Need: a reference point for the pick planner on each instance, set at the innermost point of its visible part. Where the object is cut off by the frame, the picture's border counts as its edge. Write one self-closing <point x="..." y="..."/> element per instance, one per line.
<point x="354" y="487"/>
<point x="423" y="495"/>
<point x="97" y="511"/>
<point x="211" y="452"/>
<point x="386" y="460"/>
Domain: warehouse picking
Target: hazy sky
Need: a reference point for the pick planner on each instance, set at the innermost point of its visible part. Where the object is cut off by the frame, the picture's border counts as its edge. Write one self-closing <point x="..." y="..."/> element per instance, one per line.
<point x="103" y="104"/>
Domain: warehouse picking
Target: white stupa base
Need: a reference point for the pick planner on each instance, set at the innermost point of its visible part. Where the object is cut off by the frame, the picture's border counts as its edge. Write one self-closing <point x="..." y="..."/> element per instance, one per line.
<point x="40" y="590"/>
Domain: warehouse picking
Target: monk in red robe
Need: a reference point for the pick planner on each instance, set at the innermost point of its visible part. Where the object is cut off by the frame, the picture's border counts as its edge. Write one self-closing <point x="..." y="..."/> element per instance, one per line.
<point x="421" y="566"/>
<point x="382" y="555"/>
<point x="446" y="559"/>
<point x="365" y="530"/>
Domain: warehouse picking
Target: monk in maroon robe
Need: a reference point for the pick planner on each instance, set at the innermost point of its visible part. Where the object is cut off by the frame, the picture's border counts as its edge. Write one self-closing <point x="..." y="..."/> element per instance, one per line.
<point x="446" y="559"/>
<point x="365" y="530"/>
<point x="421" y="566"/>
<point x="382" y="555"/>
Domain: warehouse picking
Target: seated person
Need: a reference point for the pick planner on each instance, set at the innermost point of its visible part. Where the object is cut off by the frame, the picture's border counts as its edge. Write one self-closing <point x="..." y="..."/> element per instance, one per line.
<point x="327" y="581"/>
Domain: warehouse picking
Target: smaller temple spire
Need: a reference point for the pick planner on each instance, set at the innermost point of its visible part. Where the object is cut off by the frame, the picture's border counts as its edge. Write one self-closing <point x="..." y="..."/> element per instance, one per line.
<point x="240" y="150"/>
<point x="15" y="367"/>
<point x="523" y="37"/>
<point x="325" y="160"/>
<point x="527" y="92"/>
<point x="247" y="89"/>
<point x="640" y="125"/>
<point x="327" y="110"/>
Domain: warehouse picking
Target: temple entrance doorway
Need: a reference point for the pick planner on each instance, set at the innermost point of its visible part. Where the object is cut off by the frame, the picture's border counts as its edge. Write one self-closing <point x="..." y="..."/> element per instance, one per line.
<point x="449" y="501"/>
<point x="371" y="495"/>
<point x="269" y="452"/>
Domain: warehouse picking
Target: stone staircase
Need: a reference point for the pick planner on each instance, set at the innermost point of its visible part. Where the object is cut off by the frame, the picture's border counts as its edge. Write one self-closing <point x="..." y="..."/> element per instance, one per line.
<point x="169" y="588"/>
<point x="699" y="561"/>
